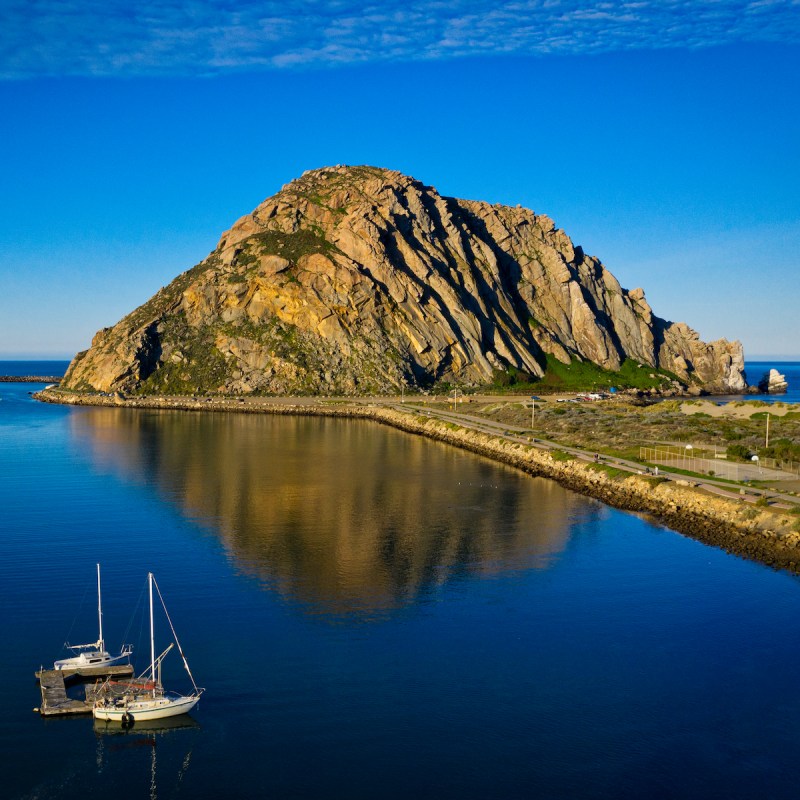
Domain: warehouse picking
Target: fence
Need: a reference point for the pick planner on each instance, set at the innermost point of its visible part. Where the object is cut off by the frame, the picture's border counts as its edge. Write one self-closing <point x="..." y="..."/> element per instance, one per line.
<point x="708" y="462"/>
<point x="783" y="466"/>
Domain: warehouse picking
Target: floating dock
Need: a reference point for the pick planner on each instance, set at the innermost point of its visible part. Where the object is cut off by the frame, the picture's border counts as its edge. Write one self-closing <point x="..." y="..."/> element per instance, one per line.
<point x="53" y="683"/>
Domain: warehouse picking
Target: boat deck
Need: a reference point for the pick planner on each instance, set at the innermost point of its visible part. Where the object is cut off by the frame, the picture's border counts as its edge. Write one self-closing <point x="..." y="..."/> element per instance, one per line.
<point x="53" y="684"/>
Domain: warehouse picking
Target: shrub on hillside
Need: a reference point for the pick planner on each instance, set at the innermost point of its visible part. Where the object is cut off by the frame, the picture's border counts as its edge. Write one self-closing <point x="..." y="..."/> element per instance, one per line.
<point x="738" y="451"/>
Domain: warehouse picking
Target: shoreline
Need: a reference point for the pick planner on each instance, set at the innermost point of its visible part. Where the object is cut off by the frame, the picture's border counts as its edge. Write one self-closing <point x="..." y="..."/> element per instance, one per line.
<point x="767" y="536"/>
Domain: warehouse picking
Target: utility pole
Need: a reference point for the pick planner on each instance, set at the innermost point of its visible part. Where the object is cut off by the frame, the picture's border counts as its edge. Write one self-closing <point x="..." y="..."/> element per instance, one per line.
<point x="766" y="443"/>
<point x="533" y="411"/>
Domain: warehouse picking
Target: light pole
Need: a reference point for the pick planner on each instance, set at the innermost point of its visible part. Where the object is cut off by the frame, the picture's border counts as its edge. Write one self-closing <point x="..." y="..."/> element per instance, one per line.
<point x="533" y="411"/>
<point x="766" y="443"/>
<point x="455" y="398"/>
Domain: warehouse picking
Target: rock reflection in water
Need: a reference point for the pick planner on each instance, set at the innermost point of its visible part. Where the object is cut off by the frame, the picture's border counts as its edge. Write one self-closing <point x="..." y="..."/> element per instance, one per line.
<point x="344" y="515"/>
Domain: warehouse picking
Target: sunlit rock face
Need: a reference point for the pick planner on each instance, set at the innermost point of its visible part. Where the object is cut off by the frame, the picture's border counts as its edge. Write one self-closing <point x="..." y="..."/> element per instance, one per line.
<point x="773" y="382"/>
<point x="354" y="280"/>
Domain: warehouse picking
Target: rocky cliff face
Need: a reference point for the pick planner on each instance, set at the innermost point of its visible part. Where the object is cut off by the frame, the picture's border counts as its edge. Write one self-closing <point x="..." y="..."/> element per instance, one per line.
<point x="357" y="279"/>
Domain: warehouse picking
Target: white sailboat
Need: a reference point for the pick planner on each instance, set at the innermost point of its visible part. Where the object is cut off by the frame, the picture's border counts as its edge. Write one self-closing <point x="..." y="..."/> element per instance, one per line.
<point x="148" y="700"/>
<point x="93" y="654"/>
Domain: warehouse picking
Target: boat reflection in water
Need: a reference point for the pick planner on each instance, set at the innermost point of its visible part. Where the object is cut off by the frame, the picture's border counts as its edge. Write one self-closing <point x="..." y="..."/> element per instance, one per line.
<point x="149" y="729"/>
<point x="344" y="516"/>
<point x="118" y="749"/>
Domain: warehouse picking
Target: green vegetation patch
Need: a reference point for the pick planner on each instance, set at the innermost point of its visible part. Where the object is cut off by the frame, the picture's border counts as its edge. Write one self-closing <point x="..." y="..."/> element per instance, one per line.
<point x="582" y="376"/>
<point x="738" y="452"/>
<point x="782" y="449"/>
<point x="612" y="472"/>
<point x="291" y="246"/>
<point x="585" y="376"/>
<point x="195" y="365"/>
<point x="504" y="378"/>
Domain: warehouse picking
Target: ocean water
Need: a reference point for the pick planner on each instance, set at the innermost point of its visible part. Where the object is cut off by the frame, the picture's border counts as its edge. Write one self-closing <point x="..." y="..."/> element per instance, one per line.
<point x="376" y="615"/>
<point x="34" y="368"/>
<point x="755" y="370"/>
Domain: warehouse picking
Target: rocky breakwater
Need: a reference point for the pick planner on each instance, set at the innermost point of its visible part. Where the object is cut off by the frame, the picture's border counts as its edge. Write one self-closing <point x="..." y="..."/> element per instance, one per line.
<point x="767" y="535"/>
<point x="30" y="378"/>
<point x="357" y="280"/>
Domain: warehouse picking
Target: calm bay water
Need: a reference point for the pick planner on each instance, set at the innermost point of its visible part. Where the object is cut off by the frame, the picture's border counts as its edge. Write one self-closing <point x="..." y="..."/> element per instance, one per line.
<point x="377" y="615"/>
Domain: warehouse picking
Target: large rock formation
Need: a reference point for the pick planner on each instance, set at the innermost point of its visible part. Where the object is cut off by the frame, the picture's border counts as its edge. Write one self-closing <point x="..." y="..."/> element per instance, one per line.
<point x="357" y="279"/>
<point x="773" y="382"/>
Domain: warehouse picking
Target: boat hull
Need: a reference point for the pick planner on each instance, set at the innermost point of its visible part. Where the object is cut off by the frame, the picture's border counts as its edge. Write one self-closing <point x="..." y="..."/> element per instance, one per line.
<point x="146" y="709"/>
<point x="94" y="658"/>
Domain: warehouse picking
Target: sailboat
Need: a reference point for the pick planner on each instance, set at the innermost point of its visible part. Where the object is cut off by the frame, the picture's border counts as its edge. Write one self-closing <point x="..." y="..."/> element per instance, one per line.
<point x="145" y="699"/>
<point x="93" y="654"/>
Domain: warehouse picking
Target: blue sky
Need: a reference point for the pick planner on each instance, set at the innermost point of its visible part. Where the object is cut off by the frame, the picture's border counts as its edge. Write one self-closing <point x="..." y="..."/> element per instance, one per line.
<point x="663" y="137"/>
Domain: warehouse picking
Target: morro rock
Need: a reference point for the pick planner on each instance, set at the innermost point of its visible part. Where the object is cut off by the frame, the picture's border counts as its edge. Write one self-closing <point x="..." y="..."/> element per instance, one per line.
<point x="358" y="280"/>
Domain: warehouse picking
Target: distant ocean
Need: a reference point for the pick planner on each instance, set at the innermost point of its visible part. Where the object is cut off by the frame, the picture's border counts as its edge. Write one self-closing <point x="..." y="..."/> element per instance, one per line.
<point x="790" y="369"/>
<point x="49" y="368"/>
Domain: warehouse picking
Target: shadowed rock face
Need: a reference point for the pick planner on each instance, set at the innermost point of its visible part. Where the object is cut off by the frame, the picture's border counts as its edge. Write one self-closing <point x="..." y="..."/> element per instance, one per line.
<point x="356" y="279"/>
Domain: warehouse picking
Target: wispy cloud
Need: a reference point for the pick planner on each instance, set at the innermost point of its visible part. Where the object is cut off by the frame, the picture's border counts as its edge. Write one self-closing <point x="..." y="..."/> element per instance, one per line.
<point x="196" y="37"/>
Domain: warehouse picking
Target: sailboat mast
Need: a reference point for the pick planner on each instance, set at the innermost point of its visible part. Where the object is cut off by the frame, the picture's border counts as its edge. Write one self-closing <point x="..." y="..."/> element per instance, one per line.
<point x="99" y="612"/>
<point x="152" y="633"/>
